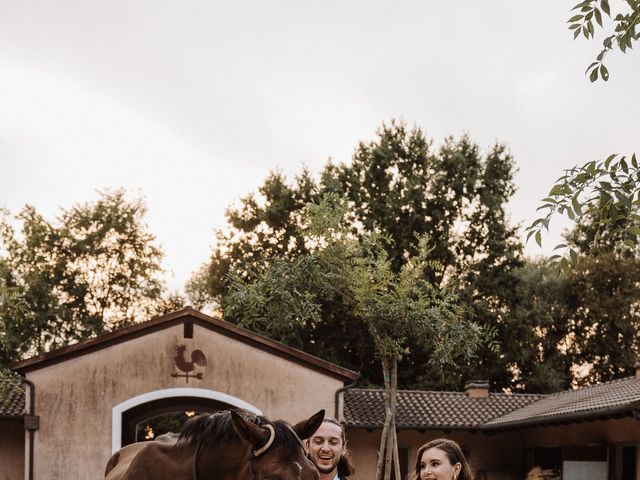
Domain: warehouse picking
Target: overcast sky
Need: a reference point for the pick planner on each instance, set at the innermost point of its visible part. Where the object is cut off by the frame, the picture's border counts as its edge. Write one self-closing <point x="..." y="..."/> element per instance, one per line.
<point x="191" y="104"/>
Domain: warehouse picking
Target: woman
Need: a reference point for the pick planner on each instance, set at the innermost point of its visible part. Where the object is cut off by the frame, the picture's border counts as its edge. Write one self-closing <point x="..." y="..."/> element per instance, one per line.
<point x="441" y="459"/>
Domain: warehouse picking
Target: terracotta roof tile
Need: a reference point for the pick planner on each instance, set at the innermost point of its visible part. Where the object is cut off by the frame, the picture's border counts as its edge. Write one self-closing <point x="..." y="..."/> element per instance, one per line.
<point x="605" y="399"/>
<point x="13" y="404"/>
<point x="364" y="408"/>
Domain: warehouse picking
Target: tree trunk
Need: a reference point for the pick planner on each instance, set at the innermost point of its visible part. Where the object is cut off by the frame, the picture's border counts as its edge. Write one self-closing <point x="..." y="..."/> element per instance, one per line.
<point x="388" y="454"/>
<point x="392" y="444"/>
<point x="396" y="458"/>
<point x="394" y="440"/>
<point x="384" y="439"/>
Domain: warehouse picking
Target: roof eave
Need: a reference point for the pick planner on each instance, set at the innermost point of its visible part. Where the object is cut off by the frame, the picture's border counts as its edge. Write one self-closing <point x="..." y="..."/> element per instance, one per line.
<point x="171" y="319"/>
<point x="12" y="417"/>
<point x="445" y="428"/>
<point x="628" y="409"/>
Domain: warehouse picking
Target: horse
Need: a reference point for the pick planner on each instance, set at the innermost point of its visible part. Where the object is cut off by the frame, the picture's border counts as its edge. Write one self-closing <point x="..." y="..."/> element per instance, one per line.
<point x="226" y="445"/>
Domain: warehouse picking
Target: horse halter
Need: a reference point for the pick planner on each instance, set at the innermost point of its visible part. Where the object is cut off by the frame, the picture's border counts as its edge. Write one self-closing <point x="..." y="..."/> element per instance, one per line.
<point x="272" y="436"/>
<point x="265" y="447"/>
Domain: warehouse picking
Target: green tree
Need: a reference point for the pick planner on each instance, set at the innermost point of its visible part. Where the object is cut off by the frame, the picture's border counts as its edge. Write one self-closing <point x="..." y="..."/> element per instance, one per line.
<point x="593" y="305"/>
<point x="602" y="198"/>
<point x="603" y="294"/>
<point x="258" y="231"/>
<point x="539" y="325"/>
<point x="95" y="269"/>
<point x="400" y="186"/>
<point x="393" y="306"/>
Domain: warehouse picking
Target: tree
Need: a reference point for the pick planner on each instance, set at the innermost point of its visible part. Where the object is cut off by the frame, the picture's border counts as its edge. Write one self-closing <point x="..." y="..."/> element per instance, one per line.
<point x="95" y="269"/>
<point x="594" y="304"/>
<point x="602" y="296"/>
<point x="625" y="30"/>
<point x="259" y="231"/>
<point x="602" y="197"/>
<point x="394" y="306"/>
<point x="539" y="325"/>
<point x="400" y="186"/>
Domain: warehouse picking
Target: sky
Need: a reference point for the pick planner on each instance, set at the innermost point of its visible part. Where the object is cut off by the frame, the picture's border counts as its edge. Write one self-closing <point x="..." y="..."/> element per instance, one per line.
<point x="191" y="104"/>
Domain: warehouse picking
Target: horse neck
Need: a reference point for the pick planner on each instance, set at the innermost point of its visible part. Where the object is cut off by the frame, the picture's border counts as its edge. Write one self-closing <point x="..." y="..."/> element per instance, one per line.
<point x="229" y="461"/>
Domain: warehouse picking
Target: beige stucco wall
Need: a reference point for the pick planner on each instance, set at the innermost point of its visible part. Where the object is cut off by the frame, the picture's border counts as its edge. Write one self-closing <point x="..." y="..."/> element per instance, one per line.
<point x="617" y="431"/>
<point x="12" y="441"/>
<point x="75" y="398"/>
<point x="623" y="431"/>
<point x="501" y="455"/>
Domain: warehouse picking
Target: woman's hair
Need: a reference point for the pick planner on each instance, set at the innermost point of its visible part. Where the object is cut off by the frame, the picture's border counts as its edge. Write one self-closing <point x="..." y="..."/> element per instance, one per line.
<point x="453" y="452"/>
<point x="345" y="468"/>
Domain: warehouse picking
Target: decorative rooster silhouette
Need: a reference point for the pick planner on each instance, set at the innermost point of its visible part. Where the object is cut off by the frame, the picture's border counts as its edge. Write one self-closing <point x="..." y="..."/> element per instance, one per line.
<point x="197" y="358"/>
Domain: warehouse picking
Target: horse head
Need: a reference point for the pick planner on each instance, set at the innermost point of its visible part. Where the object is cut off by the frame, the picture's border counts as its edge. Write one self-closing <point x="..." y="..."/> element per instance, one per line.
<point x="276" y="448"/>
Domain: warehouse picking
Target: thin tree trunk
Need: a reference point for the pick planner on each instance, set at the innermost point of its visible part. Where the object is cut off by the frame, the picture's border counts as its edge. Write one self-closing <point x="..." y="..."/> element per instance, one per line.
<point x="388" y="453"/>
<point x="394" y="440"/>
<point x="391" y="389"/>
<point x="384" y="439"/>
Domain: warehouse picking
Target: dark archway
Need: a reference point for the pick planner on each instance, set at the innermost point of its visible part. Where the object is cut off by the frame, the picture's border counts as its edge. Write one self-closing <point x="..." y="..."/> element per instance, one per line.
<point x="173" y="408"/>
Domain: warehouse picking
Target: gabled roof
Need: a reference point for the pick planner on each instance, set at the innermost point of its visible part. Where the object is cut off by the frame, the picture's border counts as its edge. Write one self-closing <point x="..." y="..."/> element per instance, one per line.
<point x="13" y="405"/>
<point x="605" y="400"/>
<point x="187" y="314"/>
<point x="364" y="408"/>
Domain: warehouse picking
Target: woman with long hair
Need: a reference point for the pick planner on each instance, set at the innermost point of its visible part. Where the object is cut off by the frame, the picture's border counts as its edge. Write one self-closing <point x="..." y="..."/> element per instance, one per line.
<point x="441" y="459"/>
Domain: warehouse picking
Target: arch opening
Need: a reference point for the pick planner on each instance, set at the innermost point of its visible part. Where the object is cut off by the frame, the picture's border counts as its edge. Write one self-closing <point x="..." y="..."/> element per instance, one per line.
<point x="166" y="409"/>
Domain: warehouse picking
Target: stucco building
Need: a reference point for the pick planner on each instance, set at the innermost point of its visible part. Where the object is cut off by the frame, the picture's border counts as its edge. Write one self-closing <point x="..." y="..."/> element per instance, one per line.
<point x="87" y="400"/>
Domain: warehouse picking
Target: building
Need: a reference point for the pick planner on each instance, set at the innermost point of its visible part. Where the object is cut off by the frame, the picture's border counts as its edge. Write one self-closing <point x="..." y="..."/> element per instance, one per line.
<point x="591" y="432"/>
<point x="85" y="401"/>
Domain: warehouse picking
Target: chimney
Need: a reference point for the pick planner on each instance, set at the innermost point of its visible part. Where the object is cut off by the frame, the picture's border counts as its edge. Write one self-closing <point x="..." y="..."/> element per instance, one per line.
<point x="477" y="388"/>
<point x="638" y="368"/>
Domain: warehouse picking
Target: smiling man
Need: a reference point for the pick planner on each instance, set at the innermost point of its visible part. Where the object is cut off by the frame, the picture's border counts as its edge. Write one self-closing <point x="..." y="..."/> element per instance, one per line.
<point x="327" y="449"/>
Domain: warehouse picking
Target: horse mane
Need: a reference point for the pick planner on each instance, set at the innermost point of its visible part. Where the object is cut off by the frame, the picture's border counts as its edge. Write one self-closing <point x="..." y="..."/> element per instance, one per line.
<point x="210" y="429"/>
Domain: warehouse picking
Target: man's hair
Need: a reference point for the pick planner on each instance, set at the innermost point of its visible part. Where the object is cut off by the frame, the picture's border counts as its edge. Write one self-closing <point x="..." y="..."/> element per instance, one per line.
<point x="345" y="468"/>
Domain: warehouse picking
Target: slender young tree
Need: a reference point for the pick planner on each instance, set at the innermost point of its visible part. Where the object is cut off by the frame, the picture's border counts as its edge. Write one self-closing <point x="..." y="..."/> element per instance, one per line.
<point x="393" y="306"/>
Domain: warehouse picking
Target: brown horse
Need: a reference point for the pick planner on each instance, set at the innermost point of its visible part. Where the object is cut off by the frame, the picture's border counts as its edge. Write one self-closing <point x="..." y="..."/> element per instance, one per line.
<point x="221" y="446"/>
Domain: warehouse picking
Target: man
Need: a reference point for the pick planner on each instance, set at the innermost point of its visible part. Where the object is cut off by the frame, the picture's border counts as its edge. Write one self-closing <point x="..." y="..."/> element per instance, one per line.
<point x="327" y="449"/>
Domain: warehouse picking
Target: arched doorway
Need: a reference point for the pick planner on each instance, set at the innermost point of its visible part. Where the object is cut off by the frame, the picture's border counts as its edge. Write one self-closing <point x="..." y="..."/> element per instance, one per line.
<point x="148" y="420"/>
<point x="166" y="409"/>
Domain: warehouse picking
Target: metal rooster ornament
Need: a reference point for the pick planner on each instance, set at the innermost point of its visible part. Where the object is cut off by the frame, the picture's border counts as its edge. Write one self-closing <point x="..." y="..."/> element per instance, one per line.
<point x="197" y="358"/>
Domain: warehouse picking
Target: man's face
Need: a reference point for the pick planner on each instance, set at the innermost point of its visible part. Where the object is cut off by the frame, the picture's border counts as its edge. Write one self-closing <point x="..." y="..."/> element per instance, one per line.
<point x="326" y="447"/>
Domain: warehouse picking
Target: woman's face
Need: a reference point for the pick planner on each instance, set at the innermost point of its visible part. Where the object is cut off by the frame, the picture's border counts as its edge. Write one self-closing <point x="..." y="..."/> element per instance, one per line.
<point x="435" y="465"/>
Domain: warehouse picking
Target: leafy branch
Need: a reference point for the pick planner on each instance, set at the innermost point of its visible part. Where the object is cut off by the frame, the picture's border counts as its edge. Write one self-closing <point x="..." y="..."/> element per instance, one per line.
<point x="604" y="193"/>
<point x="625" y="30"/>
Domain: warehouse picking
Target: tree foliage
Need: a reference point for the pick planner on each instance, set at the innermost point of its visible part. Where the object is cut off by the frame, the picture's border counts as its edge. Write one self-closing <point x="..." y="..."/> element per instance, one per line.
<point x="95" y="269"/>
<point x="401" y="187"/>
<point x="603" y="294"/>
<point x="603" y="198"/>
<point x="392" y="306"/>
<point x="625" y="30"/>
<point x="604" y="193"/>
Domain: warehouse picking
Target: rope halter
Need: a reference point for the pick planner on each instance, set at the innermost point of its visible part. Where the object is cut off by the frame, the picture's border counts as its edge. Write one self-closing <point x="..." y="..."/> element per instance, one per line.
<point x="265" y="447"/>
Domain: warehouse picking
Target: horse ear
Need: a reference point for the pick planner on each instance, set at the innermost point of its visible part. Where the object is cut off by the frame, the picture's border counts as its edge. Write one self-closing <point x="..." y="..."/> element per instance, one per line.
<point x="249" y="431"/>
<point x="306" y="428"/>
